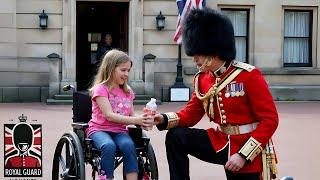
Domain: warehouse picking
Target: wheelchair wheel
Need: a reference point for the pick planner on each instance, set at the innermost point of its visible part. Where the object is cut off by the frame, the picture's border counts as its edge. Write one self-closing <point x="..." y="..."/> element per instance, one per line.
<point x="68" y="161"/>
<point x="150" y="165"/>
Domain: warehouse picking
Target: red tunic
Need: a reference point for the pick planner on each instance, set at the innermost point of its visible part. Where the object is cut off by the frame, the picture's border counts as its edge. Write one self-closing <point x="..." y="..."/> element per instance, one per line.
<point x="23" y="162"/>
<point x="256" y="105"/>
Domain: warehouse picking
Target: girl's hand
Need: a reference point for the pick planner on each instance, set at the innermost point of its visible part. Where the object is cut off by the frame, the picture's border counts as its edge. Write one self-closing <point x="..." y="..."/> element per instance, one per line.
<point x="148" y="123"/>
<point x="142" y="120"/>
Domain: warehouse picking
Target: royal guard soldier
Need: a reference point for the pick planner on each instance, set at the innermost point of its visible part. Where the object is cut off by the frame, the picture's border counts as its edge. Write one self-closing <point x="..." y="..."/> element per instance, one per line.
<point x="235" y="97"/>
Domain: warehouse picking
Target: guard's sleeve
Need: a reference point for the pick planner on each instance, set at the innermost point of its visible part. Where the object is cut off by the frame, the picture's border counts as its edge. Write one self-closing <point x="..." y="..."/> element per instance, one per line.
<point x="265" y="112"/>
<point x="188" y="116"/>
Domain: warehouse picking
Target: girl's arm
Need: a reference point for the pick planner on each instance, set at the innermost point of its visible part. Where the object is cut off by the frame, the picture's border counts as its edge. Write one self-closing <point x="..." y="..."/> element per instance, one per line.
<point x="132" y="113"/>
<point x="106" y="109"/>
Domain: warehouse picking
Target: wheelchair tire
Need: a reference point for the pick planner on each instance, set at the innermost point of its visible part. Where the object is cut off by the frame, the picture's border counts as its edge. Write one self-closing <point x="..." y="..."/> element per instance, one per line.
<point x="153" y="163"/>
<point x="68" y="160"/>
<point x="150" y="172"/>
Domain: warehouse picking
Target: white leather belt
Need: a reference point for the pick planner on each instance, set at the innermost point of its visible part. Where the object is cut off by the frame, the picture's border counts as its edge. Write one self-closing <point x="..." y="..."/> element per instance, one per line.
<point x="238" y="129"/>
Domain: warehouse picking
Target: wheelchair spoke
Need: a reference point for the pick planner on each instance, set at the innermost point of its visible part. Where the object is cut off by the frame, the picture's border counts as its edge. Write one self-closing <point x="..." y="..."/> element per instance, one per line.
<point x="68" y="161"/>
<point x="62" y="162"/>
<point x="67" y="154"/>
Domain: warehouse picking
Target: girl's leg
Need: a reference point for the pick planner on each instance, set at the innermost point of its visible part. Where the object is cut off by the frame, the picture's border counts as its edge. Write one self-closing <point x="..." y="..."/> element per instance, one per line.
<point x="128" y="149"/>
<point x="132" y="176"/>
<point x="103" y="142"/>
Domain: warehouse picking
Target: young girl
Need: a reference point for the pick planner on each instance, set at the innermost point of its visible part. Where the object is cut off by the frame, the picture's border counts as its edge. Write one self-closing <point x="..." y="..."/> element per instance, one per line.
<point x="112" y="110"/>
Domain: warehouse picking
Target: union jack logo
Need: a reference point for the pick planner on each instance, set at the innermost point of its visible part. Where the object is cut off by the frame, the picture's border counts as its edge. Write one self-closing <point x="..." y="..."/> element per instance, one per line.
<point x="22" y="150"/>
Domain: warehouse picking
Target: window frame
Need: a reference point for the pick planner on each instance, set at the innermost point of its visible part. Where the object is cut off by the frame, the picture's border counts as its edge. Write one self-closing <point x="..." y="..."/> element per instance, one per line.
<point x="310" y="51"/>
<point x="247" y="25"/>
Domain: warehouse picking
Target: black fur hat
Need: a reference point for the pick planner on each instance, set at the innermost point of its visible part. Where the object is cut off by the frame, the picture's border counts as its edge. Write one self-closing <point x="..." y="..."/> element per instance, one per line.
<point x="208" y="32"/>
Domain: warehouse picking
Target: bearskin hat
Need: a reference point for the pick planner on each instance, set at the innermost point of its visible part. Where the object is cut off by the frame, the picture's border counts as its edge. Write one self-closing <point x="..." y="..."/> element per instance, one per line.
<point x="210" y="33"/>
<point x="22" y="134"/>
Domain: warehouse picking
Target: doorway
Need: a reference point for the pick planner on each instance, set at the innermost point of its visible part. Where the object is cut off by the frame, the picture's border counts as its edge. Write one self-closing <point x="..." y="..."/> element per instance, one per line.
<point x="94" y="20"/>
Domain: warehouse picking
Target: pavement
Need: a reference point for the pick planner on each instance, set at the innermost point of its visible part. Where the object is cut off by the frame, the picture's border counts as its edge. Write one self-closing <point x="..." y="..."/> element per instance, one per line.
<point x="296" y="139"/>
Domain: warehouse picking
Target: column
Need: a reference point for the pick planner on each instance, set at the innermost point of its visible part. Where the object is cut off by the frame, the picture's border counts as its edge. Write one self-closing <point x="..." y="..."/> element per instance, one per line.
<point x="54" y="78"/>
<point x="69" y="43"/>
<point x="149" y="61"/>
<point x="136" y="45"/>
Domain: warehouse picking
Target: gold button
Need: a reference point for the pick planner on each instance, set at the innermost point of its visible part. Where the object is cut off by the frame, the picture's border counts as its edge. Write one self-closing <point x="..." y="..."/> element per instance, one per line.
<point x="219" y="93"/>
<point x="223" y="111"/>
<point x="221" y="105"/>
<point x="224" y="122"/>
<point x="224" y="117"/>
<point x="220" y="99"/>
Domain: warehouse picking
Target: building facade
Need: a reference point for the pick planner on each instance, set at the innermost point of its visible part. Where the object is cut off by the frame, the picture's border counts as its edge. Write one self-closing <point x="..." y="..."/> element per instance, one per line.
<point x="279" y="37"/>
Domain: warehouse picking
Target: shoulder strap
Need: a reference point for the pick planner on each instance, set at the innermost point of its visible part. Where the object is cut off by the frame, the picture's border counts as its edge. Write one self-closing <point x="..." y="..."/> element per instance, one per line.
<point x="215" y="88"/>
<point x="229" y="79"/>
<point x="242" y="65"/>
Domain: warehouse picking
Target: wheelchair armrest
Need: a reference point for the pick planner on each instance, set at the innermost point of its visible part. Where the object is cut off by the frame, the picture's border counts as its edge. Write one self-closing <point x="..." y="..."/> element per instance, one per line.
<point x="79" y="125"/>
<point x="146" y="140"/>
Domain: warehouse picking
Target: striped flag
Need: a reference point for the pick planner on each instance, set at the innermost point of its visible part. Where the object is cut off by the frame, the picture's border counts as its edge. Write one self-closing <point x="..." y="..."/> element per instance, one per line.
<point x="184" y="6"/>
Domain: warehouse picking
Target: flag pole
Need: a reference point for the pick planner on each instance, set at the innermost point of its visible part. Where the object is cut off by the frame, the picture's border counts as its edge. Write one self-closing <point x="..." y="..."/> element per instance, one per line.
<point x="179" y="91"/>
<point x="179" y="79"/>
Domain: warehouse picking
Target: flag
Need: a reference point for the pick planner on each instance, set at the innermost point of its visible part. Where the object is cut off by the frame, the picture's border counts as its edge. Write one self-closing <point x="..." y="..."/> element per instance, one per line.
<point x="184" y="6"/>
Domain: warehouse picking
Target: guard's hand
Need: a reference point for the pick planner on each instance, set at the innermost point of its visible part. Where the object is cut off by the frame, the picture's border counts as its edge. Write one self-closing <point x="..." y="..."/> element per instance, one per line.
<point x="158" y="119"/>
<point x="235" y="163"/>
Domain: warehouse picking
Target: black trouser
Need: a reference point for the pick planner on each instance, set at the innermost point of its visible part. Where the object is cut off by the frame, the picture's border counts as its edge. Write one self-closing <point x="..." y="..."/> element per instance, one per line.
<point x="183" y="141"/>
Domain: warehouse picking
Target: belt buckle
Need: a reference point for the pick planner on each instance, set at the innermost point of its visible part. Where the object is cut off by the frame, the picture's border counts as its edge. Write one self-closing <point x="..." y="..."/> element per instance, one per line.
<point x="225" y="129"/>
<point x="231" y="130"/>
<point x="236" y="129"/>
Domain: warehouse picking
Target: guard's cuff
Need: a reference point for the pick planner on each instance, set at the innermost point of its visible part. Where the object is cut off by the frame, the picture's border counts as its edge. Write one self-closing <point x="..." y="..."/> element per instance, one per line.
<point x="250" y="149"/>
<point x="171" y="120"/>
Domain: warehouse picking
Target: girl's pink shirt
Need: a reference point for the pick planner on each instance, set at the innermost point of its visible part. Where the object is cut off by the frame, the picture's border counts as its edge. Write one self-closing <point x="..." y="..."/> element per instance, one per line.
<point x="121" y="103"/>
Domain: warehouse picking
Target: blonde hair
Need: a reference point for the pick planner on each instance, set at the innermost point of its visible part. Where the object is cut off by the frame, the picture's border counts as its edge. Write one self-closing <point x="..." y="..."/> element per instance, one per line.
<point x="110" y="61"/>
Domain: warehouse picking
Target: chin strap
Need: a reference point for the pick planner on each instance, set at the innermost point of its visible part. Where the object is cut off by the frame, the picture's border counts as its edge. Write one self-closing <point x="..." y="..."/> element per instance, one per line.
<point x="206" y="63"/>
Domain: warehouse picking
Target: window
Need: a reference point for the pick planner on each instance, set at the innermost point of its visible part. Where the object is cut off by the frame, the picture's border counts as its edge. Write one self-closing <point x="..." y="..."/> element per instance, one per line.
<point x="240" y="22"/>
<point x="297" y="50"/>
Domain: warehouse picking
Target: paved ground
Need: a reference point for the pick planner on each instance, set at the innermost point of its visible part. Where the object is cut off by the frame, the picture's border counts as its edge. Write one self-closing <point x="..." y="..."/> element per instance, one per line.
<point x="297" y="138"/>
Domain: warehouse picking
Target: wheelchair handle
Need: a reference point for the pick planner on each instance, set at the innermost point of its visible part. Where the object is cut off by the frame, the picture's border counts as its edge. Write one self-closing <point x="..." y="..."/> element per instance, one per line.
<point x="68" y="87"/>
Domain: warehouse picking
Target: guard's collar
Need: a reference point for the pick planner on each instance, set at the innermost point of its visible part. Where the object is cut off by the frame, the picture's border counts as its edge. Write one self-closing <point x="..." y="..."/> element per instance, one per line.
<point x="221" y="69"/>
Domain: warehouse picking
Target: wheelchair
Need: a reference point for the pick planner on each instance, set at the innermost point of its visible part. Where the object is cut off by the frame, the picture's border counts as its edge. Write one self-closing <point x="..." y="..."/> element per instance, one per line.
<point x="74" y="150"/>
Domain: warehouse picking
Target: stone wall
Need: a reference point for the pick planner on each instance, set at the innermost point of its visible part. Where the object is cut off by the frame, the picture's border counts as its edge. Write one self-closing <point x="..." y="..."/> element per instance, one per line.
<point x="24" y="47"/>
